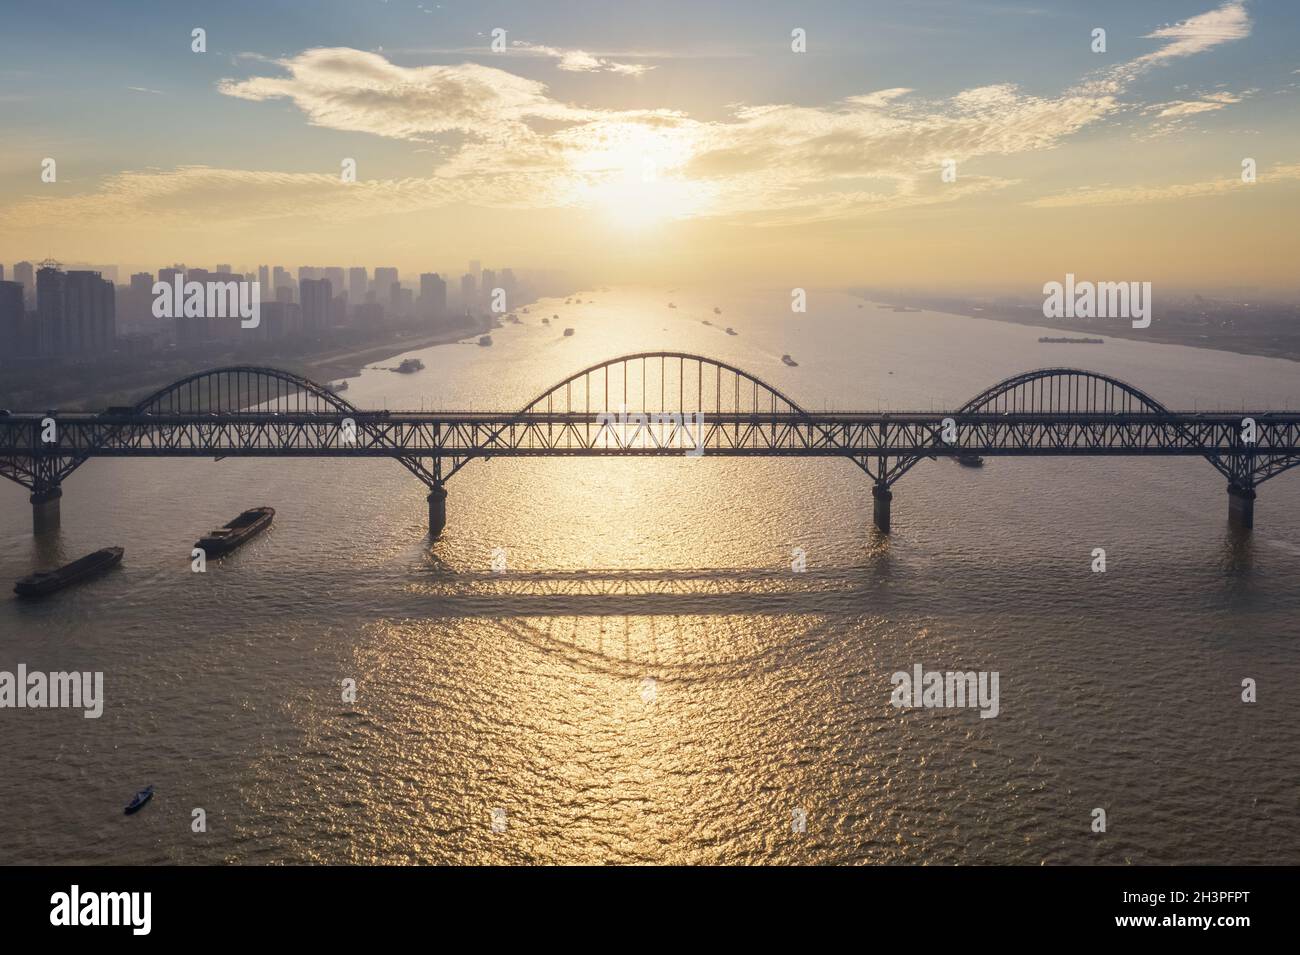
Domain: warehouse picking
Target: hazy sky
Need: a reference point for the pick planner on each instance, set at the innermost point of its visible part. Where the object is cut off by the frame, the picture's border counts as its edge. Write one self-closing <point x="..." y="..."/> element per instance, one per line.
<point x="667" y="141"/>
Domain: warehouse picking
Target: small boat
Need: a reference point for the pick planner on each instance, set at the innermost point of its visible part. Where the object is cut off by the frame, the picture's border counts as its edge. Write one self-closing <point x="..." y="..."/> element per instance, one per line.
<point x="671" y="305"/>
<point x="48" y="581"/>
<point x="247" y="525"/>
<point x="485" y="340"/>
<point x="556" y="317"/>
<point x="410" y="365"/>
<point x="969" y="459"/>
<point x="546" y="321"/>
<point x="731" y="331"/>
<point x="789" y="361"/>
<point x="716" y="310"/>
<point x="568" y="301"/>
<point x="525" y="309"/>
<point x="705" y="321"/>
<point x="138" y="801"/>
<point x="568" y="332"/>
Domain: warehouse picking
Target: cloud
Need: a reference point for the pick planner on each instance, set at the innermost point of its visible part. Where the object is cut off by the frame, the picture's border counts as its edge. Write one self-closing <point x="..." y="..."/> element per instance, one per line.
<point x="1132" y="195"/>
<point x="1203" y="32"/>
<point x="580" y="61"/>
<point x="1227" y="22"/>
<point x="1208" y="103"/>
<point x="358" y="91"/>
<point x="203" y="198"/>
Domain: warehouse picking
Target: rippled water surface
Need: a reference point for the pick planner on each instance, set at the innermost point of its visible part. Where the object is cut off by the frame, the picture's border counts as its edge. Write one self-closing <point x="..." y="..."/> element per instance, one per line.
<point x="649" y="681"/>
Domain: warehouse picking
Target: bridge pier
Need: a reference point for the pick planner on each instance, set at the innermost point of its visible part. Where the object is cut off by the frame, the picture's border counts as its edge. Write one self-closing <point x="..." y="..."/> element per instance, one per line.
<point x="1241" y="506"/>
<point x="45" y="509"/>
<point x="437" y="510"/>
<point x="881" y="496"/>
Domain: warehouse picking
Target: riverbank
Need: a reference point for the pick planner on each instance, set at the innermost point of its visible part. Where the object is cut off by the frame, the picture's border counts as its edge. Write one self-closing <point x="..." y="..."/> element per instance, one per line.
<point x="1265" y="330"/>
<point x="123" y="380"/>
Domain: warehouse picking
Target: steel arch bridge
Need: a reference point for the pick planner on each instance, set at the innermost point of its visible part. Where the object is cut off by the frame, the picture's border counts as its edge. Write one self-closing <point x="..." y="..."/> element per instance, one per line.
<point x="646" y="404"/>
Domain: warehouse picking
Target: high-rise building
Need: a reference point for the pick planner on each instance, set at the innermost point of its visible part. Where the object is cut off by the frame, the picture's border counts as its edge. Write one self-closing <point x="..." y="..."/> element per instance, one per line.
<point x="337" y="283"/>
<point x="400" y="302"/>
<point x="475" y="267"/>
<point x="315" y="295"/>
<point x="488" y="286"/>
<point x="139" y="299"/>
<point x="358" y="284"/>
<point x="223" y="268"/>
<point x="433" y="296"/>
<point x="12" y="317"/>
<point x="264" y="280"/>
<point x="76" y="312"/>
<point x="385" y="279"/>
<point x="468" y="290"/>
<point x="2" y="273"/>
<point x="25" y="275"/>
<point x="281" y="279"/>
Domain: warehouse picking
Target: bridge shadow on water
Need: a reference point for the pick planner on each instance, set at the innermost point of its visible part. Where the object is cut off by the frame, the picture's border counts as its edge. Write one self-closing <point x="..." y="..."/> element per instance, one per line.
<point x="628" y="592"/>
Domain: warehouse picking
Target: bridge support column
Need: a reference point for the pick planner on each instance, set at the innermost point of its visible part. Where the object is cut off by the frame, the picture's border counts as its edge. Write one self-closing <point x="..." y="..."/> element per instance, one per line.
<point x="1241" y="506"/>
<point x="881" y="496"/>
<point x="437" y="510"/>
<point x="45" y="509"/>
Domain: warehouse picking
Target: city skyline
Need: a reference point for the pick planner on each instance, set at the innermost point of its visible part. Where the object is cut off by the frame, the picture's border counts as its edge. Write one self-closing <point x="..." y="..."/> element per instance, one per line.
<point x="679" y="147"/>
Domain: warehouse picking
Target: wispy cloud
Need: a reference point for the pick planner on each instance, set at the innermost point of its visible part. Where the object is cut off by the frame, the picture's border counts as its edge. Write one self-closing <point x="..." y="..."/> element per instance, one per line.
<point x="580" y="61"/>
<point x="1131" y="195"/>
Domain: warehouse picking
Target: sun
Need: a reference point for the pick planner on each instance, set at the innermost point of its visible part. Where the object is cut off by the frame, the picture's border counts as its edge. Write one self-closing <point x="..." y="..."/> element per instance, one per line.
<point x="633" y="174"/>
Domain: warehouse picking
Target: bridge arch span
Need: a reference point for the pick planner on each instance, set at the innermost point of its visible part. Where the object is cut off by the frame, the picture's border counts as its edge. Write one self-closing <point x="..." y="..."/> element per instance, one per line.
<point x="264" y="390"/>
<point x="243" y="387"/>
<point x="1048" y="391"/>
<point x="666" y="381"/>
<point x="1061" y="390"/>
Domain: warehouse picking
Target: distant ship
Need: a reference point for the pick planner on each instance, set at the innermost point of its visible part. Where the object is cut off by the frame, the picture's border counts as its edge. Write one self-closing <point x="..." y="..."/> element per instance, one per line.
<point x="705" y="321"/>
<point x="905" y="308"/>
<point x="410" y="365"/>
<point x="969" y="459"/>
<point x="48" y="581"/>
<point x="138" y="800"/>
<point x="568" y="301"/>
<point x="568" y="332"/>
<point x="1071" y="341"/>
<point x="545" y="320"/>
<point x="716" y="310"/>
<point x="671" y="305"/>
<point x="238" y="532"/>
<point x="731" y="331"/>
<point x="525" y="309"/>
<point x="789" y="361"/>
<point x="485" y="340"/>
